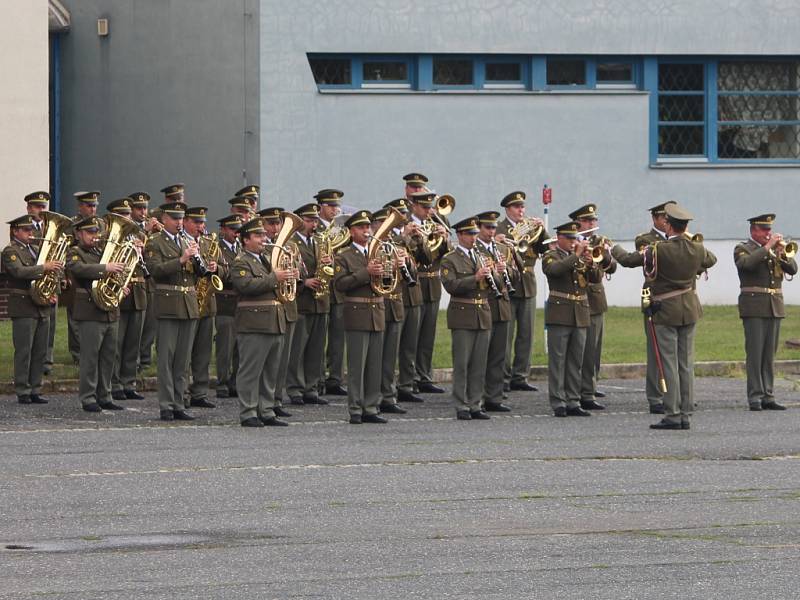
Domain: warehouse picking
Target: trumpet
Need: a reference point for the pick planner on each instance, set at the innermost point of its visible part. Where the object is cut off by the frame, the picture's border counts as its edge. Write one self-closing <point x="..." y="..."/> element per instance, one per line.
<point x="786" y="249"/>
<point x="580" y="233"/>
<point x="694" y="237"/>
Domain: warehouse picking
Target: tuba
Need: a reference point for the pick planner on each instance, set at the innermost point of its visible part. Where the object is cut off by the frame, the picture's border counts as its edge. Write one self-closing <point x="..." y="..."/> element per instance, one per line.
<point x="327" y="243"/>
<point x="107" y="291"/>
<point x="381" y="249"/>
<point x="284" y="257"/>
<point x="55" y="243"/>
<point x="205" y="284"/>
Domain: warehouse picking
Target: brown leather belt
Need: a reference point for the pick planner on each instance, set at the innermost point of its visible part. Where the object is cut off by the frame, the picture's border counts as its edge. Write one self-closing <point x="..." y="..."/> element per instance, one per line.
<point x="226" y="293"/>
<point x="476" y="301"/>
<point x="359" y="300"/>
<point x="174" y="288"/>
<point x="246" y="303"/>
<point x="573" y="297"/>
<point x="426" y="274"/>
<point x="762" y="290"/>
<point x="671" y="294"/>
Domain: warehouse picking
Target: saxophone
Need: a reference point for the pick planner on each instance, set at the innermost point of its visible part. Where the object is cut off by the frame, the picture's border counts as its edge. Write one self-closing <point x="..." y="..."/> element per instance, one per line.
<point x="55" y="243"/>
<point x="107" y="292"/>
<point x="204" y="285"/>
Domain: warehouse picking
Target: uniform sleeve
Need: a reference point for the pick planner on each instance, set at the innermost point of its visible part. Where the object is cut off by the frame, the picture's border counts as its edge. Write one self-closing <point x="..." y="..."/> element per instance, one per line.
<point x="156" y="263"/>
<point x="12" y="264"/>
<point x="627" y="259"/>
<point x="749" y="261"/>
<point x="344" y="279"/>
<point x="557" y="267"/>
<point x="453" y="284"/>
<point x="82" y="270"/>
<point x="709" y="260"/>
<point x="789" y="266"/>
<point x="246" y="284"/>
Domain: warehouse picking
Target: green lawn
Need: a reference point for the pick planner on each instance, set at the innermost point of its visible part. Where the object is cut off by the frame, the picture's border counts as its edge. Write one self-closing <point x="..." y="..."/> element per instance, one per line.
<point x="719" y="337"/>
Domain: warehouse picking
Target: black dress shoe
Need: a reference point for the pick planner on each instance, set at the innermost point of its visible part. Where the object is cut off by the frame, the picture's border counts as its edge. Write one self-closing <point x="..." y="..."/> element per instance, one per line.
<point x="111" y="406"/>
<point x="296" y="400"/>
<point x="118" y="395"/>
<point x="463" y="415"/>
<point x="273" y="422"/>
<point x="591" y="405"/>
<point x="599" y="394"/>
<point x="310" y="399"/>
<point x="92" y="407"/>
<point x="202" y="403"/>
<point x="685" y="425"/>
<point x="133" y="395"/>
<point x="335" y="390"/>
<point x="523" y="386"/>
<point x="392" y="408"/>
<point x="166" y="415"/>
<point x="182" y="415"/>
<point x="24" y="399"/>
<point x="404" y="396"/>
<point x="355" y="420"/>
<point x="496" y="407"/>
<point x="479" y="415"/>
<point x="222" y="393"/>
<point x="427" y="387"/>
<point x="577" y="411"/>
<point x="252" y="422"/>
<point x="756" y="407"/>
<point x="772" y="405"/>
<point x="657" y="409"/>
<point x="373" y="419"/>
<point x="233" y="393"/>
<point x="663" y="424"/>
<point x="37" y="399"/>
<point x="279" y="412"/>
<point x="560" y="411"/>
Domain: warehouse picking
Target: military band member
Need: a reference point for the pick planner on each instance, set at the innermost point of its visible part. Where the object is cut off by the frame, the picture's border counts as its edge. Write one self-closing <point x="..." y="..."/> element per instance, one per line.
<point x="586" y="217"/>
<point x="170" y="260"/>
<point x="260" y="325"/>
<point x="674" y="265"/>
<point x="329" y="201"/>
<point x="97" y="327"/>
<point x="364" y="322"/>
<point x="242" y="206"/>
<point x="394" y="313"/>
<point x="648" y="238"/>
<point x="423" y="208"/>
<point x="173" y="193"/>
<point x="762" y="262"/>
<point x="149" y="225"/>
<point x="272" y="219"/>
<point x="29" y="321"/>
<point x="469" y="319"/>
<point x="523" y="301"/>
<point x="194" y="224"/>
<point x="36" y="204"/>
<point x="308" y="345"/>
<point x="251" y="193"/>
<point x="227" y="353"/>
<point x="495" y="253"/>
<point x="131" y="319"/>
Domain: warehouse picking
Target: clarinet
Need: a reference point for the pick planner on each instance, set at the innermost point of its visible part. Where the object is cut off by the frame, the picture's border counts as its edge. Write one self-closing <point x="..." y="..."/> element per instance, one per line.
<point x="489" y="279"/>
<point x="197" y="260"/>
<point x="506" y="278"/>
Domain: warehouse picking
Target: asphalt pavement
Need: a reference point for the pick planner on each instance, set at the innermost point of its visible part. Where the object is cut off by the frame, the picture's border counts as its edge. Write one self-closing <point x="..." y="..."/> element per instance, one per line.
<point x="120" y="505"/>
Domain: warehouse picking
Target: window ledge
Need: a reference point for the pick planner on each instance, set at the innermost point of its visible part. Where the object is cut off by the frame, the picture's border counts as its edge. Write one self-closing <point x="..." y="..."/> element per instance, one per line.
<point x="709" y="165"/>
<point x="487" y="92"/>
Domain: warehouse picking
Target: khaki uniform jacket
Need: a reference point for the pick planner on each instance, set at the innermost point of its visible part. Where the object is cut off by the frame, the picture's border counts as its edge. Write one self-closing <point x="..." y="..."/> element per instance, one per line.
<point x="501" y="307"/>
<point x="420" y="255"/>
<point x="596" y="288"/>
<point x="396" y="302"/>
<point x="306" y="303"/>
<point x="174" y="294"/>
<point x="679" y="262"/>
<point x="258" y="309"/>
<point x="469" y="298"/>
<point x="226" y="299"/>
<point x="527" y="287"/>
<point x="21" y="268"/>
<point x="364" y="310"/>
<point x="758" y="267"/>
<point x="84" y="268"/>
<point x="565" y="276"/>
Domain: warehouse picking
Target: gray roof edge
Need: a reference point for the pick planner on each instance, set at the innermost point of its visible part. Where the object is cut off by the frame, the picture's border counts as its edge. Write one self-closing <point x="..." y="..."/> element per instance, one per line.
<point x="58" y="17"/>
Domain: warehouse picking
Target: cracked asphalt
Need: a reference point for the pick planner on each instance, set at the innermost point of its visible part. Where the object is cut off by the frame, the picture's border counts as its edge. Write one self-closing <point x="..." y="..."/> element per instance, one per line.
<point x="119" y="505"/>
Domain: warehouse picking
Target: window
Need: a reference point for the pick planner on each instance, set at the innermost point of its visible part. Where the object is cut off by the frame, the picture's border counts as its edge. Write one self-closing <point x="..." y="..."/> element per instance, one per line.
<point x="503" y="72"/>
<point x="681" y="109"/>
<point x="449" y="71"/>
<point x="614" y="72"/>
<point x="757" y="110"/>
<point x="566" y="72"/>
<point x="384" y="70"/>
<point x="331" y="71"/>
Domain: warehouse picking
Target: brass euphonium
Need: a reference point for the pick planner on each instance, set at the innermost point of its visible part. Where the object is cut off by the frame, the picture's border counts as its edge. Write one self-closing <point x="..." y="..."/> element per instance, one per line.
<point x="284" y="257"/>
<point x="384" y="251"/>
<point x="213" y="280"/>
<point x="107" y="292"/>
<point x="55" y="243"/>
<point x="327" y="242"/>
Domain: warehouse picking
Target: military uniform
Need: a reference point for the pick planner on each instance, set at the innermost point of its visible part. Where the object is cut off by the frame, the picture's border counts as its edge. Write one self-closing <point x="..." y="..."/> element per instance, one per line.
<point x="567" y="318"/>
<point x="761" y="309"/>
<point x="364" y="324"/>
<point x="97" y="327"/>
<point x="523" y="304"/>
<point x="149" y="323"/>
<point x="469" y="318"/>
<point x="227" y="353"/>
<point x="260" y="326"/>
<point x="292" y="317"/>
<point x="29" y="321"/>
<point x="308" y="344"/>
<point x="177" y="313"/>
